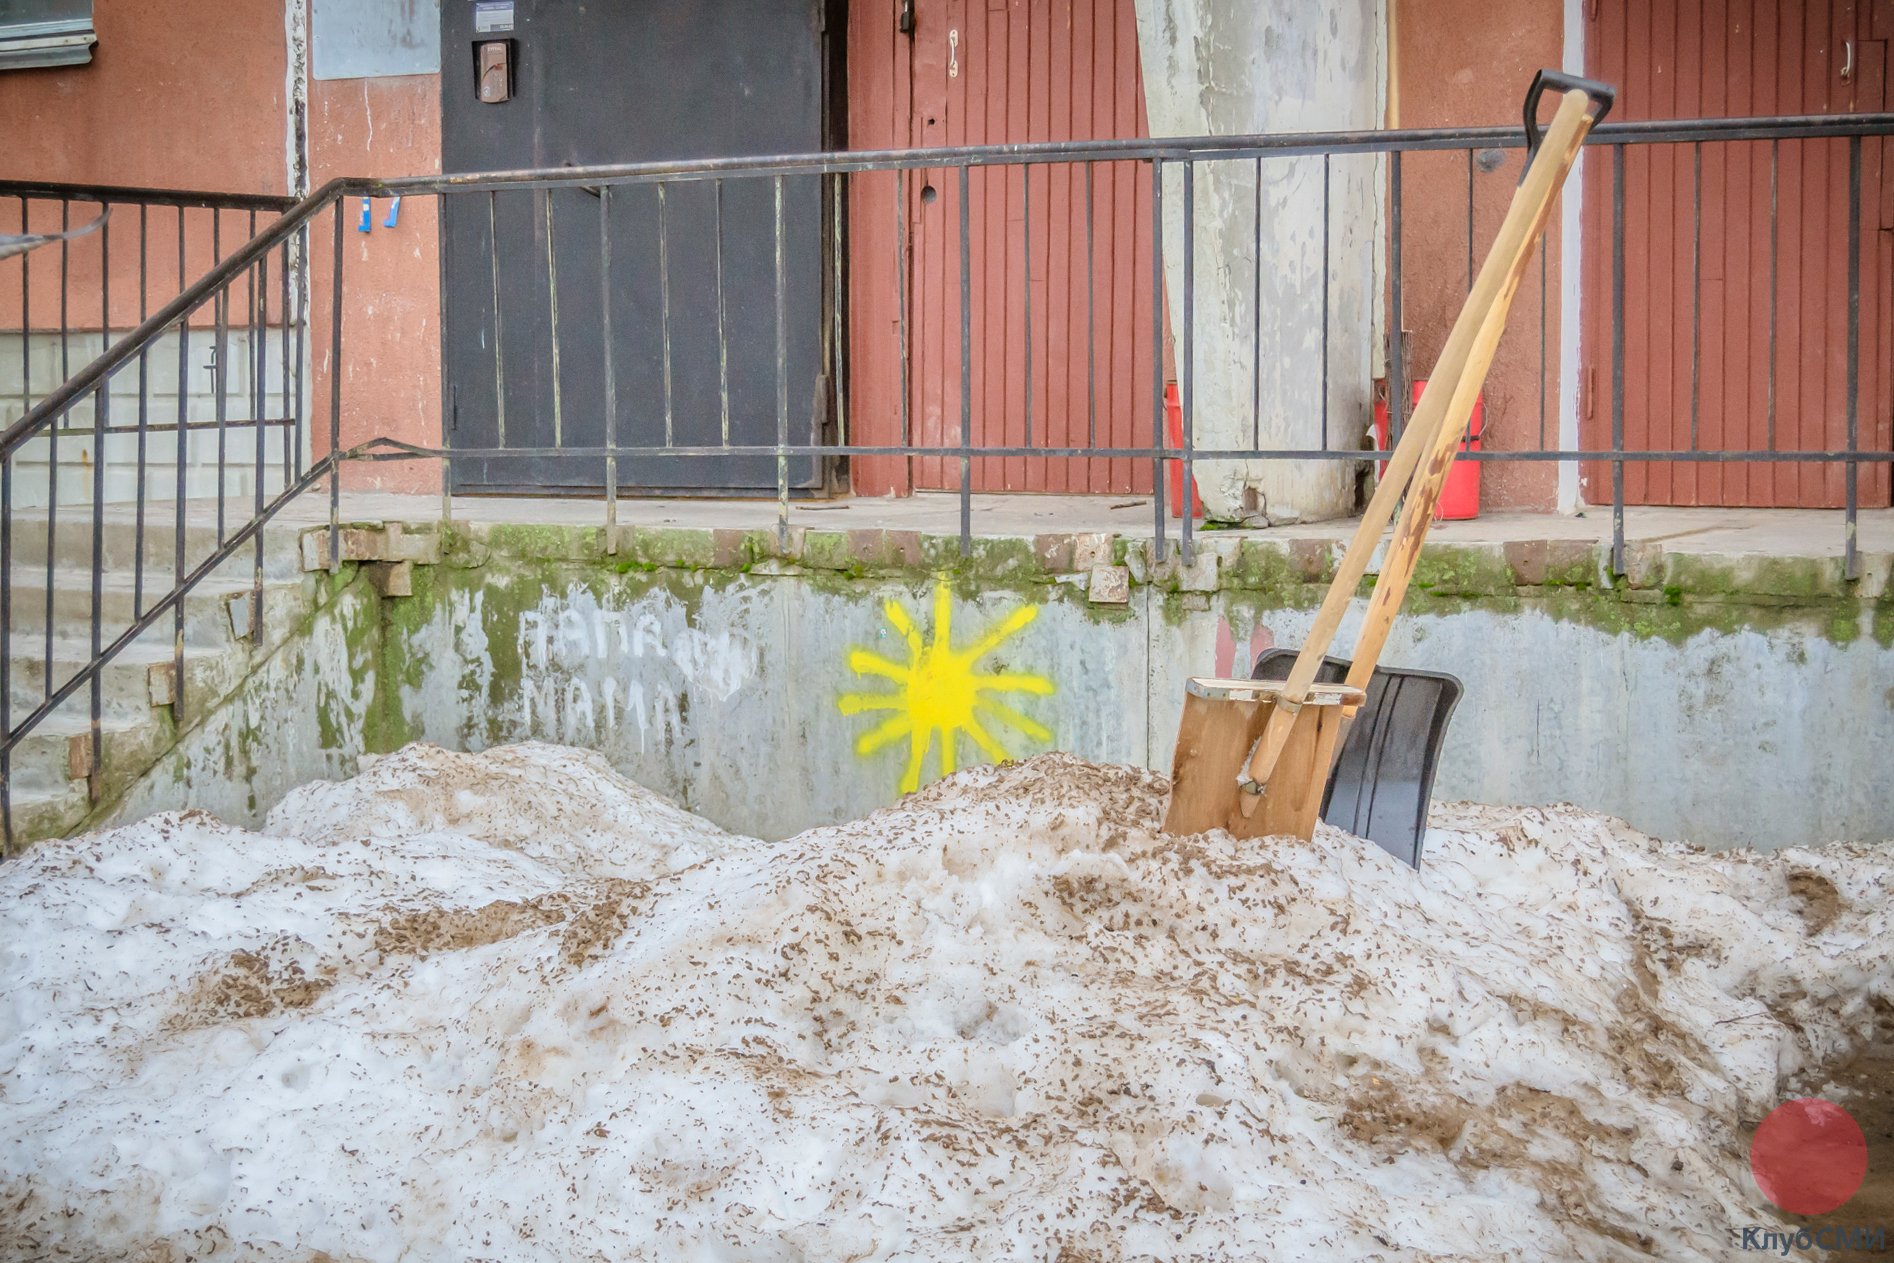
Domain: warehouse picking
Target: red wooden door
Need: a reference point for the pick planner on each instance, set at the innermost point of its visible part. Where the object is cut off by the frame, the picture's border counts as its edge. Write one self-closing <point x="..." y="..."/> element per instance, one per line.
<point x="1053" y="253"/>
<point x="1764" y="248"/>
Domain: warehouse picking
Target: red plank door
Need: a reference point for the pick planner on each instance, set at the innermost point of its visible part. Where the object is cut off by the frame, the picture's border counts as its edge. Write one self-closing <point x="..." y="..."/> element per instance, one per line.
<point x="1057" y="258"/>
<point x="1758" y="261"/>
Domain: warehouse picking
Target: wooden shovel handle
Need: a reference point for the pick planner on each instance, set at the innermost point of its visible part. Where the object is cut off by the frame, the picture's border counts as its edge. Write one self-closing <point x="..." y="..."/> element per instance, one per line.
<point x="1417" y="514"/>
<point x="1512" y="247"/>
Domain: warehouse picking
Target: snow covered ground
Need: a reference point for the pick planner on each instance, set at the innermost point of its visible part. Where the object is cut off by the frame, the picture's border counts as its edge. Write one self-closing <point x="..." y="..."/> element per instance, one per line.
<point x="511" y="1006"/>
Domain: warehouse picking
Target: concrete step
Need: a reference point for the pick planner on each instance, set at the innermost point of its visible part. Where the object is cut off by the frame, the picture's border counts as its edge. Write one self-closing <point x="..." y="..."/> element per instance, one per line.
<point x="69" y="539"/>
<point x="134" y="681"/>
<point x="47" y="811"/>
<point x="215" y="611"/>
<point x="56" y="752"/>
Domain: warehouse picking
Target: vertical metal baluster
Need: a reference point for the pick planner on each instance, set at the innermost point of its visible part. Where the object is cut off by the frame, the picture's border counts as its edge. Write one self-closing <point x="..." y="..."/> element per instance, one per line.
<point x="611" y="374"/>
<point x="782" y="372"/>
<point x="838" y="306"/>
<point x="499" y="357"/>
<point x="723" y="328"/>
<point x="1469" y="221"/>
<point x="1091" y="320"/>
<point x="1617" y="360"/>
<point x="552" y="309"/>
<point x="335" y="401"/>
<point x="6" y="640"/>
<point x="1397" y="349"/>
<point x="1325" y="275"/>
<point x="101" y="423"/>
<point x="305" y="274"/>
<point x="101" y="411"/>
<point x="65" y="292"/>
<point x="26" y="309"/>
<point x="1544" y="295"/>
<point x="1696" y="295"/>
<point x="450" y="400"/>
<point x="52" y="436"/>
<point x="1186" y="369"/>
<point x="1025" y="184"/>
<point x="182" y="490"/>
<point x="901" y="301"/>
<point x="105" y="279"/>
<point x="260" y="318"/>
<point x="144" y="358"/>
<point x="1851" y="557"/>
<point x="283" y="313"/>
<point x="1256" y="315"/>
<point x="1159" y="438"/>
<point x="1774" y="258"/>
<point x="966" y="365"/>
<point x="220" y="360"/>
<point x="664" y="308"/>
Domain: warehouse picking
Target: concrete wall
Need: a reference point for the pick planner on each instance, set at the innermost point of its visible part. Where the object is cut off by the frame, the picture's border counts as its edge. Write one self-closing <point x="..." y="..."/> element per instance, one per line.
<point x="1214" y="68"/>
<point x="1722" y="700"/>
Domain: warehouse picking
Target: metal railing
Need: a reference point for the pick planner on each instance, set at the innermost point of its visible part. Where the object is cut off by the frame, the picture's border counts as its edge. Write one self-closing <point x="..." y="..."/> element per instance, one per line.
<point x="100" y="409"/>
<point x="576" y="412"/>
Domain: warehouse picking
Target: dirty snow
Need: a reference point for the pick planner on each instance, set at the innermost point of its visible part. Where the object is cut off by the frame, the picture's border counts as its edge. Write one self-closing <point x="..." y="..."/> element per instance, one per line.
<point x="511" y="1006"/>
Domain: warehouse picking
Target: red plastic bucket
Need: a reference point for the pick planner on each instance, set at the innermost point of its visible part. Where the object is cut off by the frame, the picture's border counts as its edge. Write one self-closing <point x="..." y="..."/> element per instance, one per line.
<point x="1460" y="498"/>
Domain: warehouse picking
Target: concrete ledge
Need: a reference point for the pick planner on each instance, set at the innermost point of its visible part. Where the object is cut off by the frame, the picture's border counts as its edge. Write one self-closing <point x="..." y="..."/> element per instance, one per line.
<point x="1671" y="590"/>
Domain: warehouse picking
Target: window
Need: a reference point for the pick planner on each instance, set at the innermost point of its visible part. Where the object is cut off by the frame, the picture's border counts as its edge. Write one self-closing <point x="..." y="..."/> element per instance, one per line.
<point x="45" y="33"/>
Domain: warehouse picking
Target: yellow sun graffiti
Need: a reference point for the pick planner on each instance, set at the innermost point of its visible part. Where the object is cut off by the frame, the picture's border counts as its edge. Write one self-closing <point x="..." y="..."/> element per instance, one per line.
<point x="939" y="691"/>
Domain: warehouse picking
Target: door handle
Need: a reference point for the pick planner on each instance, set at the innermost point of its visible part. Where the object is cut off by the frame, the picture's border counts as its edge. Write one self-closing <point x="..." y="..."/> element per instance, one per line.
<point x="953" y="54"/>
<point x="1847" y="60"/>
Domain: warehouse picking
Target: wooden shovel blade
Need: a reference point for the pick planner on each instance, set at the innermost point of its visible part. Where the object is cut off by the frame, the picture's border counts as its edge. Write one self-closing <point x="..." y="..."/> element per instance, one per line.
<point x="1221" y="722"/>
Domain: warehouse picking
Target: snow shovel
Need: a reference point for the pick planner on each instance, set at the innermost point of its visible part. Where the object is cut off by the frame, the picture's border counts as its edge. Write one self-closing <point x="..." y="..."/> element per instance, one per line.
<point x="1289" y="730"/>
<point x="1383" y="780"/>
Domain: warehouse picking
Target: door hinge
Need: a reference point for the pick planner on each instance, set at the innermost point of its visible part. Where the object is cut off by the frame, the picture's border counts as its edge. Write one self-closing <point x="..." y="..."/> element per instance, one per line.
<point x="1591" y="10"/>
<point x="904" y="22"/>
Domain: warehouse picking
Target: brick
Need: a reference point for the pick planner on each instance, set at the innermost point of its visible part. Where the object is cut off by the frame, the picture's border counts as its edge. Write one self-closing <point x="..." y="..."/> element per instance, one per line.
<point x="1109" y="585"/>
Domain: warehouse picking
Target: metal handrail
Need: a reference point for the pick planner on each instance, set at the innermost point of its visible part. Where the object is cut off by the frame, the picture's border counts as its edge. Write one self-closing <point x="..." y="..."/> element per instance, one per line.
<point x="193" y="198"/>
<point x="1281" y="144"/>
<point x="295" y="217"/>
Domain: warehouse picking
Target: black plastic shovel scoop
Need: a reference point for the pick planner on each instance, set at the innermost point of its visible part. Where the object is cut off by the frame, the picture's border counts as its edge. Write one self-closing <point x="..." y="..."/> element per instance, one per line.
<point x="1383" y="780"/>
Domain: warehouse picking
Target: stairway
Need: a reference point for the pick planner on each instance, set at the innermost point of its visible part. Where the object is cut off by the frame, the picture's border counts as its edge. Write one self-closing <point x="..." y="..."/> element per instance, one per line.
<point x="54" y="786"/>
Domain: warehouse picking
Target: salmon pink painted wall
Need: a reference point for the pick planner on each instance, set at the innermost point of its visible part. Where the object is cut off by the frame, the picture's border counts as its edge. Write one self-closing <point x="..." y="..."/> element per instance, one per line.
<point x="391" y="338"/>
<point x="186" y="94"/>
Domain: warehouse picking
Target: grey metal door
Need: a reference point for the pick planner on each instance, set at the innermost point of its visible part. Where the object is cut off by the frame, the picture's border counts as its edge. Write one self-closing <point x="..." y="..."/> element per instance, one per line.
<point x="699" y="357"/>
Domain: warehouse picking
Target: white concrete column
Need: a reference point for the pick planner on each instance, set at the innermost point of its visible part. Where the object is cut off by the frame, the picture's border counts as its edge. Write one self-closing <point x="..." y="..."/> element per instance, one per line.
<point x="1227" y="67"/>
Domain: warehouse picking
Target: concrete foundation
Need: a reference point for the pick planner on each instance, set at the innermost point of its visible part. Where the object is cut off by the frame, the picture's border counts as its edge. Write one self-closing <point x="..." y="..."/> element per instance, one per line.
<point x="1722" y="699"/>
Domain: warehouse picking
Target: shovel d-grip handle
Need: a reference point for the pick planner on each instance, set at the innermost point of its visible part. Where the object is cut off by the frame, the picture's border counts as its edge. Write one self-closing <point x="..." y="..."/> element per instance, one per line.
<point x="1602" y="95"/>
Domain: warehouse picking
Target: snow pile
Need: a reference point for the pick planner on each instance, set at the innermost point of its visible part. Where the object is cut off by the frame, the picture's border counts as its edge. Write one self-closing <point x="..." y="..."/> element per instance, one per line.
<point x="510" y="1006"/>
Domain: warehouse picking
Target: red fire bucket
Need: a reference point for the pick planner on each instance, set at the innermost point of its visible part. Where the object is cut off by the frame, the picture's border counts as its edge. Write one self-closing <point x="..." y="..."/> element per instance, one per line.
<point x="1460" y="498"/>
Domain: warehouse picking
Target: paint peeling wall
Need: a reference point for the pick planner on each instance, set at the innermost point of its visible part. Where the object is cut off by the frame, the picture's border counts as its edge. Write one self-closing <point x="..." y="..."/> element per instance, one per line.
<point x="1217" y="68"/>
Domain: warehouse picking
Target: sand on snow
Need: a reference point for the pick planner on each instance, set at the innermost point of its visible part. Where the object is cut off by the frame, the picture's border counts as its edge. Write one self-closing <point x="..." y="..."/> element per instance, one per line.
<point x="513" y="1006"/>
